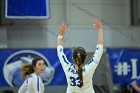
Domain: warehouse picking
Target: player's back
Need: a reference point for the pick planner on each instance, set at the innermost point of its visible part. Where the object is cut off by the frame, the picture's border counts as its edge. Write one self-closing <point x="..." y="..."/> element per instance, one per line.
<point x="74" y="82"/>
<point x="87" y="71"/>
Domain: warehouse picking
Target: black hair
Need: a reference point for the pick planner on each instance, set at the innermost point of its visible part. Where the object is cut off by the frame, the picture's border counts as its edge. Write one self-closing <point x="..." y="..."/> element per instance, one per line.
<point x="79" y="56"/>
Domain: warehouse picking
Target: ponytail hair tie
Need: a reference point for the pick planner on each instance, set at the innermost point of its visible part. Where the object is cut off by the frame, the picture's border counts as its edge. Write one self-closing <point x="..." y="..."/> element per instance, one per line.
<point x="78" y="54"/>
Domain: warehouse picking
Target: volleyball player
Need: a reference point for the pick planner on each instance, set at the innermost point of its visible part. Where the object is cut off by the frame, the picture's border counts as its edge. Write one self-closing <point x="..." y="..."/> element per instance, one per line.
<point x="79" y="73"/>
<point x="31" y="73"/>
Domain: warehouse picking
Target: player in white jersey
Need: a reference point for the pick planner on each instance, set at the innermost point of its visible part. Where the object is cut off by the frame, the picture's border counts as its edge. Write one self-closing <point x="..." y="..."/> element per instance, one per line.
<point x="79" y="74"/>
<point x="31" y="73"/>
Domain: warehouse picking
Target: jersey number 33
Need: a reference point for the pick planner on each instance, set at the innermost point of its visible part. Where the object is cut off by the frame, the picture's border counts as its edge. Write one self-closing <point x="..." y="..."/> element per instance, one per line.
<point x="75" y="81"/>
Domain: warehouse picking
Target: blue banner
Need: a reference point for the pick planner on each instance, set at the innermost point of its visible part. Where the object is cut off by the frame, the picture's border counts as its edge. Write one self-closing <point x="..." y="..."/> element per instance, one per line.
<point x="11" y="61"/>
<point x="31" y="9"/>
<point x="125" y="64"/>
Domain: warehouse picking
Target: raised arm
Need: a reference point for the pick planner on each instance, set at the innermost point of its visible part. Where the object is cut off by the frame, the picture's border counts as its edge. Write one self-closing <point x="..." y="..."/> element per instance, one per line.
<point x="93" y="63"/>
<point x="62" y="57"/>
<point x="61" y="31"/>
<point x="98" y="26"/>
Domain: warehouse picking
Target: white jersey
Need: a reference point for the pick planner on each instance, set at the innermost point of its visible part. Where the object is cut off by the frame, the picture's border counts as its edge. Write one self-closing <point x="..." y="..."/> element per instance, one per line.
<point x="88" y="70"/>
<point x="32" y="84"/>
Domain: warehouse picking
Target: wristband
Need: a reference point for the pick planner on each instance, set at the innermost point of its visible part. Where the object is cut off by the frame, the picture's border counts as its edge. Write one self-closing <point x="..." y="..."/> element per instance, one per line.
<point x="60" y="37"/>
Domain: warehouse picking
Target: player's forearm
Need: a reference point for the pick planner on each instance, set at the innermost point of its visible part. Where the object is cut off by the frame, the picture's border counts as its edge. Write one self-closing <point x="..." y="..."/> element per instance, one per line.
<point x="59" y="42"/>
<point x="100" y="37"/>
<point x="135" y="86"/>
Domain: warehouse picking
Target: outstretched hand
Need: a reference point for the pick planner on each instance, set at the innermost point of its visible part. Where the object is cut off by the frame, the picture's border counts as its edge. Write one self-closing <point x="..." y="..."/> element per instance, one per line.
<point x="62" y="28"/>
<point x="97" y="23"/>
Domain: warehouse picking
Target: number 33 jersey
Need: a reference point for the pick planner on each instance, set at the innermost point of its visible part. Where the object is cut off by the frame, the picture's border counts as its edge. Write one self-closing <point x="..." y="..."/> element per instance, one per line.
<point x="88" y="70"/>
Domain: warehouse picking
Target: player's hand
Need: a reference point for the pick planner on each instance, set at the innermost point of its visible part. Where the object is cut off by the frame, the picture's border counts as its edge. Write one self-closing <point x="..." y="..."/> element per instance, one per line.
<point x="97" y="24"/>
<point x="62" y="28"/>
